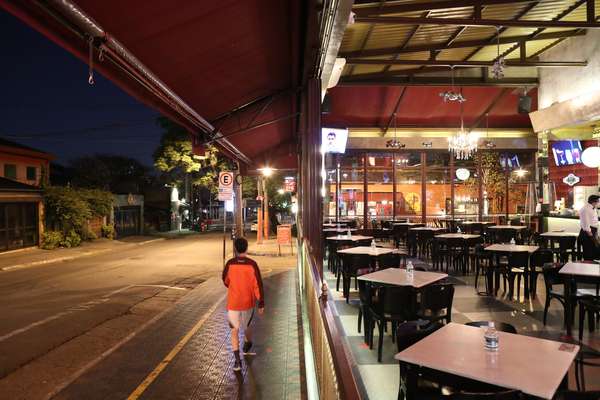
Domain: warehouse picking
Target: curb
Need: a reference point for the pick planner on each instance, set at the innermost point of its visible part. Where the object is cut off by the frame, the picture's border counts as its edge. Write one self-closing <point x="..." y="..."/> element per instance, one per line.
<point x="73" y="257"/>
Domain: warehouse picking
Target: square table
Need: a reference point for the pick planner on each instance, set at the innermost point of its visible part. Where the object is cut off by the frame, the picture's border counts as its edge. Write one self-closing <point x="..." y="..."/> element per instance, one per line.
<point x="368" y="250"/>
<point x="534" y="366"/>
<point x="408" y="224"/>
<point x="427" y="228"/>
<point x="510" y="248"/>
<point x="559" y="234"/>
<point x="515" y="227"/>
<point x="399" y="277"/>
<point x="464" y="236"/>
<point x="346" y="238"/>
<point x="577" y="271"/>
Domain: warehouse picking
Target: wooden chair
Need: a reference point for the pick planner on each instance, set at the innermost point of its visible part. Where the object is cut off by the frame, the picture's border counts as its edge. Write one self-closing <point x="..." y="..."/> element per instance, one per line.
<point x="436" y="303"/>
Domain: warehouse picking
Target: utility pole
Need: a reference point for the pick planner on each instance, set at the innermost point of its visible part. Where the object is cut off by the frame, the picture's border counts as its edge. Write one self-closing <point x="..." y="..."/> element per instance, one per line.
<point x="266" y="213"/>
<point x="239" y="218"/>
<point x="259" y="222"/>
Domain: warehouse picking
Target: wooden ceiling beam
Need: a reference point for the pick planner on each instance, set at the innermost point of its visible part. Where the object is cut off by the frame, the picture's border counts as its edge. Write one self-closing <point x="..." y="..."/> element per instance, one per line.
<point x="386" y="80"/>
<point x="479" y="22"/>
<point x="373" y="8"/>
<point x="467" y="64"/>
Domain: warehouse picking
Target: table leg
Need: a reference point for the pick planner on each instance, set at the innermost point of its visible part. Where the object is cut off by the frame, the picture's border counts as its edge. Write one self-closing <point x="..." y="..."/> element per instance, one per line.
<point x="526" y="278"/>
<point x="568" y="306"/>
<point x="411" y="382"/>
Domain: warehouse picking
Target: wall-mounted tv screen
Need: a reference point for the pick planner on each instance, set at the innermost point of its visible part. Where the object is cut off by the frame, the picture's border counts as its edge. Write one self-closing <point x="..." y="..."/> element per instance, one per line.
<point x="566" y="152"/>
<point x="510" y="161"/>
<point x="334" y="140"/>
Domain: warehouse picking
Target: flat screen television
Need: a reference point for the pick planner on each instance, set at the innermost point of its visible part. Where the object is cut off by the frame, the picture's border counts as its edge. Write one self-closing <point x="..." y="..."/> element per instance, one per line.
<point x="334" y="140"/>
<point x="566" y="152"/>
<point x="510" y="161"/>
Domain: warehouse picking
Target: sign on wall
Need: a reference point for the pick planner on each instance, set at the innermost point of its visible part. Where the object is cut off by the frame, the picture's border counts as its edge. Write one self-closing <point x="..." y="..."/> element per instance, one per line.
<point x="571" y="179"/>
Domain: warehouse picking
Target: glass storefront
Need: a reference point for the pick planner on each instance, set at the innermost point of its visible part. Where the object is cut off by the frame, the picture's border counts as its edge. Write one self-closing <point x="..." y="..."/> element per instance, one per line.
<point x="493" y="185"/>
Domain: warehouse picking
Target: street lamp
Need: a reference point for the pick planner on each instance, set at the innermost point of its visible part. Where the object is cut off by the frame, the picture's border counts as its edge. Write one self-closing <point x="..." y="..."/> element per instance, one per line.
<point x="266" y="171"/>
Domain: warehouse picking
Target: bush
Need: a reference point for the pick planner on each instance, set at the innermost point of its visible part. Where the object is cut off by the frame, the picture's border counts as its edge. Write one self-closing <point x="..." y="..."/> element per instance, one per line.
<point x="51" y="240"/>
<point x="99" y="201"/>
<point x="108" y="231"/>
<point x="88" y="235"/>
<point x="71" y="239"/>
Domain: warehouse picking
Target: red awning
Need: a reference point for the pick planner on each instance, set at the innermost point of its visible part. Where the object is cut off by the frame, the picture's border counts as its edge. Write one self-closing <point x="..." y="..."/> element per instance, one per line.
<point x="372" y="106"/>
<point x="215" y="55"/>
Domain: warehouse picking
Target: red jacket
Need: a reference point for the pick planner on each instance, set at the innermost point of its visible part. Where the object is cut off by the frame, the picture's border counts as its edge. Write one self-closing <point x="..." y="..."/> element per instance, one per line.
<point x="242" y="277"/>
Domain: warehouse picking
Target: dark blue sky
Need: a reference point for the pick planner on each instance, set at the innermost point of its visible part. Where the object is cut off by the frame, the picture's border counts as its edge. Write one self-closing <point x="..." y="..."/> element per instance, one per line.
<point x="47" y="103"/>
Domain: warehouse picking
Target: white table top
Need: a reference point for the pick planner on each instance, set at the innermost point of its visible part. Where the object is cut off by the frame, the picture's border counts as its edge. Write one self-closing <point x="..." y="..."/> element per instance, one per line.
<point x="559" y="234"/>
<point x="515" y="227"/>
<point x="341" y="230"/>
<point x="399" y="277"/>
<point x="408" y="223"/>
<point x="512" y="248"/>
<point x="377" y="251"/>
<point x="581" y="269"/>
<point x="427" y="228"/>
<point x="352" y="238"/>
<point x="464" y="236"/>
<point x="334" y="225"/>
<point x="532" y="365"/>
<point x="476" y="223"/>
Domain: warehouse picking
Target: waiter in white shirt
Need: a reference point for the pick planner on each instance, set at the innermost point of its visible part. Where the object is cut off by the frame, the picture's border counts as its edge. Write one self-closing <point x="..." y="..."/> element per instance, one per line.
<point x="588" y="220"/>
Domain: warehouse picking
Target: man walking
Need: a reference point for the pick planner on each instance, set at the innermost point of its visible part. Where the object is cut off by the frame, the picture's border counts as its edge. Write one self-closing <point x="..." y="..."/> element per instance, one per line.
<point x="242" y="277"/>
<point x="588" y="220"/>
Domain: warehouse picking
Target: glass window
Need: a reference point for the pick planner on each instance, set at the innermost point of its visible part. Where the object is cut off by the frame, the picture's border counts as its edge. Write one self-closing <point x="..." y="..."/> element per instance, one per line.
<point x="351" y="200"/>
<point x="466" y="189"/>
<point x="10" y="171"/>
<point x="521" y="183"/>
<point x="493" y="179"/>
<point x="408" y="185"/>
<point x="380" y="183"/>
<point x="31" y="173"/>
<point x="438" y="192"/>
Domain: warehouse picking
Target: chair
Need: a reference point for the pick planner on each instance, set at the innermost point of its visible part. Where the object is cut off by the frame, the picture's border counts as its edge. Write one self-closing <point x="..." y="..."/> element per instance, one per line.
<point x="436" y="302"/>
<point x="367" y="299"/>
<point x="411" y="243"/>
<point x="553" y="278"/>
<point x="500" y="326"/>
<point x="567" y="248"/>
<point x="353" y="265"/>
<point x="537" y="261"/>
<point x="439" y="253"/>
<point x="572" y="395"/>
<point x="589" y="358"/>
<point x="517" y="264"/>
<point x="407" y="334"/>
<point x="457" y="254"/>
<point x="390" y="260"/>
<point x="483" y="260"/>
<point x="591" y="305"/>
<point x="505" y="235"/>
<point x="504" y="395"/>
<point x="396" y="304"/>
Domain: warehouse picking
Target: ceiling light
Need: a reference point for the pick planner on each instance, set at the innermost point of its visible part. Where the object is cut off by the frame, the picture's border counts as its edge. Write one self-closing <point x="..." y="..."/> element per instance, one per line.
<point x="463" y="174"/>
<point x="266" y="171"/>
<point x="591" y="157"/>
<point x="280" y="191"/>
<point x="521" y="172"/>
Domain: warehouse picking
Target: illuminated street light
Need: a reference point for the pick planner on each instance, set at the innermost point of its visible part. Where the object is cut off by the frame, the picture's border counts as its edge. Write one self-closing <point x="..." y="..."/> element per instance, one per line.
<point x="520" y="172"/>
<point x="266" y="171"/>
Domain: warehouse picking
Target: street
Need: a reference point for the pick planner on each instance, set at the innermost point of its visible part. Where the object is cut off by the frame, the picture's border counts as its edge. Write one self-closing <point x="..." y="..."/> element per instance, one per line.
<point x="59" y="317"/>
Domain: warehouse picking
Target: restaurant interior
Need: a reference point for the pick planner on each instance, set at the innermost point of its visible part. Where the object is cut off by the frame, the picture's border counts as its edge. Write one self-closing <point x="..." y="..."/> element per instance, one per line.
<point x="455" y="158"/>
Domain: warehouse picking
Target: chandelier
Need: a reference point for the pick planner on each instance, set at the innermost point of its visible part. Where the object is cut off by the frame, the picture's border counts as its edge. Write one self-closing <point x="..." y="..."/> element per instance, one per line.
<point x="394" y="143"/>
<point x="463" y="144"/>
<point x="452" y="95"/>
<point x="500" y="62"/>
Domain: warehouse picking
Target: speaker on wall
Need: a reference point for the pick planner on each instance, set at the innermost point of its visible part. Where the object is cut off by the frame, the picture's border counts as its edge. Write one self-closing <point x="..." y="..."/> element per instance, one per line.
<point x="524" y="104"/>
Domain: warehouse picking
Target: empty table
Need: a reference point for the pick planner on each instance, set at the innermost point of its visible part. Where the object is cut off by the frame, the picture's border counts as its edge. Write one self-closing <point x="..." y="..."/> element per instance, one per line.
<point x="464" y="236"/>
<point x="334" y="225"/>
<point x="534" y="366"/>
<point x="352" y="238"/>
<point x="500" y="249"/>
<point x="399" y="277"/>
<point x="368" y="250"/>
<point x="577" y="272"/>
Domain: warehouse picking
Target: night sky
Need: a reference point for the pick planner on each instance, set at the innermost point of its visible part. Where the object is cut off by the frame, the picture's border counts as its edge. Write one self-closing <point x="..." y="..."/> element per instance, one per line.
<point x="47" y="103"/>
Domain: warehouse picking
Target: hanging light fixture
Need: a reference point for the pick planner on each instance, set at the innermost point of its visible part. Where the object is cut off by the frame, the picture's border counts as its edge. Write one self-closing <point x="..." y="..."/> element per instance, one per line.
<point x="463" y="144"/>
<point x="394" y="143"/>
<point x="488" y="143"/>
<point x="500" y="63"/>
<point x="452" y="95"/>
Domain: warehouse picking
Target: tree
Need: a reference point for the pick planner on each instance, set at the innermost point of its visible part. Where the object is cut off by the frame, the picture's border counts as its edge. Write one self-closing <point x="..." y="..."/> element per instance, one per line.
<point x="108" y="172"/>
<point x="174" y="159"/>
<point x="493" y="178"/>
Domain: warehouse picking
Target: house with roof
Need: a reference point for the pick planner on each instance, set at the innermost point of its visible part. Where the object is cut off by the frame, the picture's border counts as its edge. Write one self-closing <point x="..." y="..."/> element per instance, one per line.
<point x="23" y="171"/>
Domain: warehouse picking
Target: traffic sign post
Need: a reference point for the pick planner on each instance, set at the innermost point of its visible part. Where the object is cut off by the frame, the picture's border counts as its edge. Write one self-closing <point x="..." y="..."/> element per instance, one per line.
<point x="225" y="194"/>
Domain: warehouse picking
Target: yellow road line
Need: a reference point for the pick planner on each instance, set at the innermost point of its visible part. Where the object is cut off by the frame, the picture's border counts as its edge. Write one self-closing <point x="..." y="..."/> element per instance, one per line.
<point x="169" y="357"/>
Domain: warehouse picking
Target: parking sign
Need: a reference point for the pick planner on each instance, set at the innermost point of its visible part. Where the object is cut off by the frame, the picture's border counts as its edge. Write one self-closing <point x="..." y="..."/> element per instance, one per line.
<point x="225" y="186"/>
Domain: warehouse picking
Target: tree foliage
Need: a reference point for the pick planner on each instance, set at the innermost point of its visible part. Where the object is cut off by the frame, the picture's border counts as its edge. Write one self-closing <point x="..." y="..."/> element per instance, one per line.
<point x="107" y="172"/>
<point x="492" y="177"/>
<point x="174" y="158"/>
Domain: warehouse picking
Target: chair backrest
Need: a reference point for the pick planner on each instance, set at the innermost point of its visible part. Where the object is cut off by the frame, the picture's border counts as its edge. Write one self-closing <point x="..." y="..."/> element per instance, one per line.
<point x="572" y="395"/>
<point x="398" y="301"/>
<point x="410" y="332"/>
<point x="504" y="395"/>
<point x="365" y="293"/>
<point x="567" y="243"/>
<point x="437" y="297"/>
<point x="518" y="259"/>
<point x="389" y="260"/>
<point x="551" y="275"/>
<point x="505" y="235"/>
<point x="353" y="262"/>
<point x="500" y="326"/>
<point x="541" y="257"/>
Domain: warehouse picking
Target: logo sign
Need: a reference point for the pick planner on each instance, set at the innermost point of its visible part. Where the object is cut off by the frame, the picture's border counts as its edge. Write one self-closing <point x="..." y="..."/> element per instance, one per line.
<point x="571" y="179"/>
<point x="289" y="184"/>
<point x="225" y="186"/>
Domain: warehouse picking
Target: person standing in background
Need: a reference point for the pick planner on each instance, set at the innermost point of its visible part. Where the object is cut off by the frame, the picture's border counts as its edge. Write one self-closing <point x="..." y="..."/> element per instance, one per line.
<point x="588" y="220"/>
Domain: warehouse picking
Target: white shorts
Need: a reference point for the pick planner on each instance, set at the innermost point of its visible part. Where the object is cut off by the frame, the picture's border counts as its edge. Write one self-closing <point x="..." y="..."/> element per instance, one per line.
<point x="240" y="319"/>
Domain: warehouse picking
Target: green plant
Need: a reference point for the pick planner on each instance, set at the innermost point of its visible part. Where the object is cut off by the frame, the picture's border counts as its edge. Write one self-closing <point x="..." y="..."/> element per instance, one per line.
<point x="51" y="239"/>
<point x="100" y="202"/>
<point x="108" y="231"/>
<point x="71" y="239"/>
<point x="88" y="235"/>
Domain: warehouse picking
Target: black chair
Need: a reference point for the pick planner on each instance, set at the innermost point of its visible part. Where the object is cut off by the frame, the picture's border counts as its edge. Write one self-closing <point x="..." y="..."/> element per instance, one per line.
<point x="504" y="395"/>
<point x="591" y="305"/>
<point x="366" y="295"/>
<point x="551" y="279"/>
<point x="517" y="263"/>
<point x="505" y="235"/>
<point x="500" y="326"/>
<point x="457" y="255"/>
<point x="395" y="304"/>
<point x="389" y="260"/>
<point x="585" y="358"/>
<point x="537" y="261"/>
<point x="483" y="261"/>
<point x="439" y="253"/>
<point x="567" y="248"/>
<point x="407" y="334"/>
<point x="436" y="303"/>
<point x="353" y="265"/>
<point x="572" y="395"/>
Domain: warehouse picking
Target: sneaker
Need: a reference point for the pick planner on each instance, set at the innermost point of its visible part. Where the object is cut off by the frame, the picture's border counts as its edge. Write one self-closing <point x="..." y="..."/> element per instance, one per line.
<point x="237" y="365"/>
<point x="247" y="347"/>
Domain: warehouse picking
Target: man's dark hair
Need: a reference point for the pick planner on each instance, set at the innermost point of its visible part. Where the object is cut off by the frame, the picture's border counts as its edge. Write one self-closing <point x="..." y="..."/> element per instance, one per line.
<point x="593" y="198"/>
<point x="241" y="245"/>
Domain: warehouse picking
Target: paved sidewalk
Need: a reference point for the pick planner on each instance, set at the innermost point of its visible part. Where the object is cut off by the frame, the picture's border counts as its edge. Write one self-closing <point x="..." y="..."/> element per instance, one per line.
<point x="270" y="248"/>
<point x="36" y="256"/>
<point x="187" y="355"/>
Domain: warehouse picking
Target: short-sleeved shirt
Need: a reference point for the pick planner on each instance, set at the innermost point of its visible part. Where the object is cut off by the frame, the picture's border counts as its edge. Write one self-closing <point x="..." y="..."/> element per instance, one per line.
<point x="242" y="277"/>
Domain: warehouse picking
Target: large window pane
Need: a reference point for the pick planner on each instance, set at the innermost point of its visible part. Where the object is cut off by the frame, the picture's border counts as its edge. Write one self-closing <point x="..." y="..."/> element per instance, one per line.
<point x="466" y="190"/>
<point x="331" y="184"/>
<point x="521" y="169"/>
<point x="494" y="183"/>
<point x="408" y="185"/>
<point x="380" y="185"/>
<point x="351" y="194"/>
<point x="438" y="184"/>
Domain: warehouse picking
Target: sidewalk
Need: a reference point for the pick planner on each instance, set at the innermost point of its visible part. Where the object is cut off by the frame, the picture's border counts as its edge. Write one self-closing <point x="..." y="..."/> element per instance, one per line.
<point x="270" y="248"/>
<point x="187" y="354"/>
<point x="36" y="256"/>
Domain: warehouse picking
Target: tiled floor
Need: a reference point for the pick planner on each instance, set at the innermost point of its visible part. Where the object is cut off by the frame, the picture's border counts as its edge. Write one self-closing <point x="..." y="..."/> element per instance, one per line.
<point x="203" y="367"/>
<point x="380" y="380"/>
